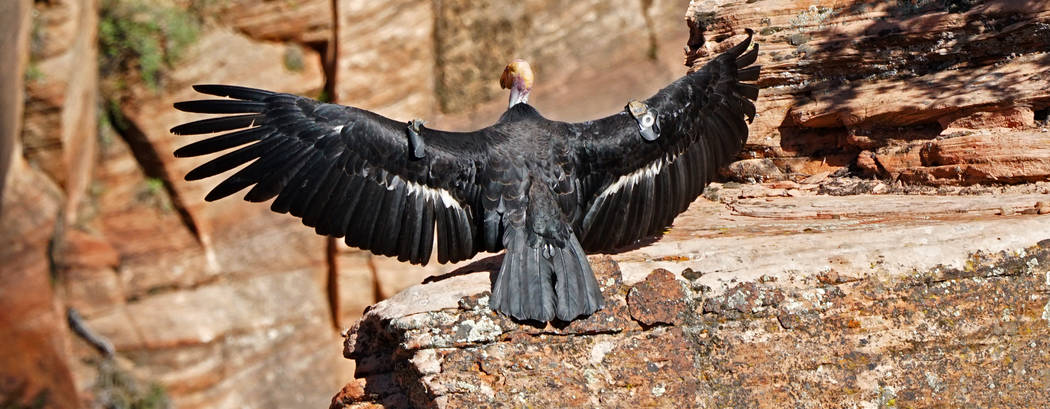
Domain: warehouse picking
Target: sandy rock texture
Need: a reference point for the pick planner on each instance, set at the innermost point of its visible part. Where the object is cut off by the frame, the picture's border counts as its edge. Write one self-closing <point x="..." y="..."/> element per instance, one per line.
<point x="875" y="86"/>
<point x="758" y="300"/>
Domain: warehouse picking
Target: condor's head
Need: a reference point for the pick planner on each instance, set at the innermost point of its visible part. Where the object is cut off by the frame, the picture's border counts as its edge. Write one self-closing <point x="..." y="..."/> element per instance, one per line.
<point x="517" y="77"/>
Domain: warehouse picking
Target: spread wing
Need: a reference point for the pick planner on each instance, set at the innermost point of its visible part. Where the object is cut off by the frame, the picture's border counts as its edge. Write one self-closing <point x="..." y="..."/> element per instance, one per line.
<point x="346" y="172"/>
<point x="632" y="187"/>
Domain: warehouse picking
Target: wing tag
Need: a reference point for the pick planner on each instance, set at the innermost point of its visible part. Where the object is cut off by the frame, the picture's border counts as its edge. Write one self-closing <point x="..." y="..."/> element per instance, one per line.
<point x="646" y="118"/>
<point x="415" y="140"/>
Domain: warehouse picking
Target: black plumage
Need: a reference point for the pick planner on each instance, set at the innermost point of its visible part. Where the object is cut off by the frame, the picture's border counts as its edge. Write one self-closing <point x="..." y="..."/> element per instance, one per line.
<point x="546" y="191"/>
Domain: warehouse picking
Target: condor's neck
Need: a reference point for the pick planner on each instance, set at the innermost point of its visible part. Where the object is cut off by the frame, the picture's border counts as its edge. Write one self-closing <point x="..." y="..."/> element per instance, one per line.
<point x="519" y="112"/>
<point x="519" y="93"/>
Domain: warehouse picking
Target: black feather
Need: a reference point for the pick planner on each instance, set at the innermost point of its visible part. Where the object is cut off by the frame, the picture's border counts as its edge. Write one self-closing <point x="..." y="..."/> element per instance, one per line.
<point x="364" y="219"/>
<point x="345" y="212"/>
<point x="273" y="183"/>
<point x="220" y="106"/>
<point x="312" y="209"/>
<point x="749" y="73"/>
<point x="249" y="175"/>
<point x="297" y="195"/>
<point x="220" y="124"/>
<point x="388" y="224"/>
<point x="223" y="142"/>
<point x="233" y="159"/>
<point x="748" y="58"/>
<point x="426" y="238"/>
<point x="233" y="91"/>
<point x="747" y="90"/>
<point x="408" y="240"/>
<point x="443" y="233"/>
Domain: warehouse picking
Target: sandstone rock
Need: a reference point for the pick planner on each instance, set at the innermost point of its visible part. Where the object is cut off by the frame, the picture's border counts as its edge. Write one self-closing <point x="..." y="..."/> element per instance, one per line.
<point x="307" y="22"/>
<point x="1017" y="117"/>
<point x="386" y="61"/>
<point x="14" y="48"/>
<point x="35" y="365"/>
<point x="847" y="311"/>
<point x="982" y="158"/>
<point x="62" y="96"/>
<point x="35" y="362"/>
<point x="211" y="294"/>
<point x="753" y="170"/>
<point x="657" y="300"/>
<point x="842" y="77"/>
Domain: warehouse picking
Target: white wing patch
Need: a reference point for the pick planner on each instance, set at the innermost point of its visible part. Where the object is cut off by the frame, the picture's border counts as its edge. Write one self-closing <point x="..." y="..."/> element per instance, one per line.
<point x="649" y="171"/>
<point x="435" y="195"/>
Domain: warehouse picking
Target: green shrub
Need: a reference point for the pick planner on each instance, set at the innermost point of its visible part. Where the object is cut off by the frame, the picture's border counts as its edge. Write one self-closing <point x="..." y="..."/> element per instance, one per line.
<point x="141" y="38"/>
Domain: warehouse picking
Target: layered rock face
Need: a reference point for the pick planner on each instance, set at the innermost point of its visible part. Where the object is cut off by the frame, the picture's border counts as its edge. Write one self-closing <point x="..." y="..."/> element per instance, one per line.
<point x="227" y="305"/>
<point x="881" y="87"/>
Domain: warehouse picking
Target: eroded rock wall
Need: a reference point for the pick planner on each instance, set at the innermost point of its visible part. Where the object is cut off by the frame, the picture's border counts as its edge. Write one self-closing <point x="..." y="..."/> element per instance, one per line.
<point x="870" y="85"/>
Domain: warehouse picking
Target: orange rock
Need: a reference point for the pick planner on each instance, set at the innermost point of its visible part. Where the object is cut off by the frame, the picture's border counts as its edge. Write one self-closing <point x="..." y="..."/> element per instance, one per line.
<point x="1015" y="117"/>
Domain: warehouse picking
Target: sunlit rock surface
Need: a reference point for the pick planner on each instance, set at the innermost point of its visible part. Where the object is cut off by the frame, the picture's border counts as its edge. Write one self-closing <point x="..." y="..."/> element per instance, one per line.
<point x="768" y="297"/>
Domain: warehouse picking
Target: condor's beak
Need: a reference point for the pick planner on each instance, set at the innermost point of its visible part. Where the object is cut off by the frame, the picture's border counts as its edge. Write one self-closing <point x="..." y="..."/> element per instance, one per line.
<point x="518" y="78"/>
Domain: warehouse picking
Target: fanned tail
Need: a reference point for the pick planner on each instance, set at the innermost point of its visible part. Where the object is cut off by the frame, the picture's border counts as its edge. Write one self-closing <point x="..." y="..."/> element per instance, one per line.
<point x="544" y="282"/>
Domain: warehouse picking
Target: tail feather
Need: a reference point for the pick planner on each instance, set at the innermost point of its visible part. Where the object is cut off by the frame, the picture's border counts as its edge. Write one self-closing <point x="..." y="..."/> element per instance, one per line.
<point x="544" y="282"/>
<point x="575" y="286"/>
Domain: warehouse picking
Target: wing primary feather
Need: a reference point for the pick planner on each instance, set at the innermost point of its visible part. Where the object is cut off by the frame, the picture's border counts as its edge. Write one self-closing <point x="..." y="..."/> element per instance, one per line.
<point x="749" y="73"/>
<point x="220" y="124"/>
<point x="670" y="186"/>
<point x="741" y="105"/>
<point x="232" y="159"/>
<point x="273" y="183"/>
<point x="747" y="90"/>
<point x="234" y="91"/>
<point x="748" y="58"/>
<point x="220" y="106"/>
<point x="742" y="46"/>
<point x="247" y="176"/>
<point x="223" y="142"/>
<point x="296" y="185"/>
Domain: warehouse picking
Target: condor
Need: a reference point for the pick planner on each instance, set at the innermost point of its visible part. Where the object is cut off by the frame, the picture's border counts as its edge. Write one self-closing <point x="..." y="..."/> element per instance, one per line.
<point x="547" y="192"/>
